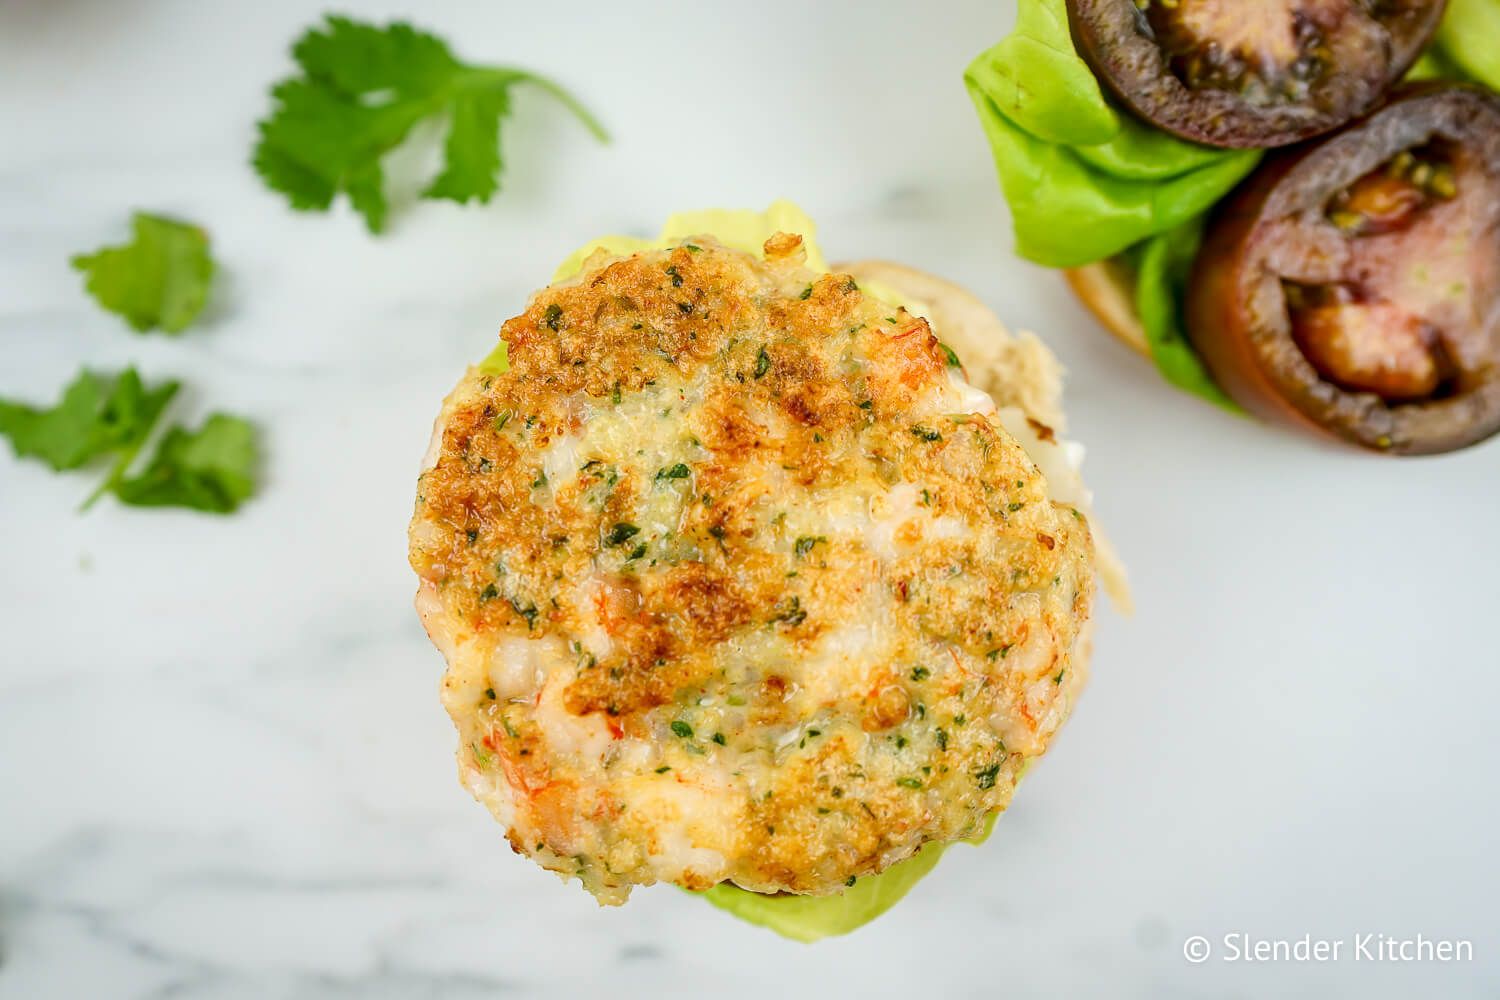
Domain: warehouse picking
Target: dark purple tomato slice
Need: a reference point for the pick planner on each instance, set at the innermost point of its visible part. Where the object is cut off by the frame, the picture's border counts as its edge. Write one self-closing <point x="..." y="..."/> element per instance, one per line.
<point x="1251" y="73"/>
<point x="1353" y="285"/>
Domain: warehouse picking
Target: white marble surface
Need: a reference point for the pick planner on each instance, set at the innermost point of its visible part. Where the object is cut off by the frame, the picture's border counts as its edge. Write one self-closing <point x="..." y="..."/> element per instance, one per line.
<point x="224" y="771"/>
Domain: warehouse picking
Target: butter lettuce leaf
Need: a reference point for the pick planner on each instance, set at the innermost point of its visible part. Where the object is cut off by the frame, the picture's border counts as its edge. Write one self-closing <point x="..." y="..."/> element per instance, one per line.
<point x="497" y="362"/>
<point x="1469" y="38"/>
<point x="1084" y="179"/>
<point x="1163" y="265"/>
<point x="1087" y="181"/>
<point x="738" y="229"/>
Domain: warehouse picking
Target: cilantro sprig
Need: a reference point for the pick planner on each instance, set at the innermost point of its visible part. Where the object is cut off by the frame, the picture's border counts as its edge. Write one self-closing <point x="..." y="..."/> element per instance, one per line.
<point x="211" y="469"/>
<point x="96" y="416"/>
<point x="159" y="280"/>
<point x="362" y="90"/>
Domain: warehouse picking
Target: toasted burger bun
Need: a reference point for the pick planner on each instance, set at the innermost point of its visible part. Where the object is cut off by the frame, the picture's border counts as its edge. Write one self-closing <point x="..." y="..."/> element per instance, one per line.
<point x="1105" y="289"/>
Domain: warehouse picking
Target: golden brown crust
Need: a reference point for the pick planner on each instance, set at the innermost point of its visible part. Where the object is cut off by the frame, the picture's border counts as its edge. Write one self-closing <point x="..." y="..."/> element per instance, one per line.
<point x="735" y="583"/>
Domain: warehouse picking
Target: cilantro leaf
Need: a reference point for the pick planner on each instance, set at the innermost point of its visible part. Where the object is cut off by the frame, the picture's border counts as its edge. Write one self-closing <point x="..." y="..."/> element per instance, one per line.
<point x="355" y="58"/>
<point x="210" y="469"/>
<point x="361" y="91"/>
<point x="157" y="281"/>
<point x="97" y="415"/>
<point x="472" y="153"/>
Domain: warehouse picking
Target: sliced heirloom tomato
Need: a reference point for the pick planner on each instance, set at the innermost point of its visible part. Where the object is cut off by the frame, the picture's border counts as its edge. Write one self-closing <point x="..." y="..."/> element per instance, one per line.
<point x="1251" y="73"/>
<point x="1353" y="285"/>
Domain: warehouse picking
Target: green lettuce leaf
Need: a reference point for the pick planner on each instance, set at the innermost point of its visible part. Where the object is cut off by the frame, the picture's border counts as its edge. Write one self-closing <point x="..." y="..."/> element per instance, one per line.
<point x="1163" y="264"/>
<point x="1436" y="64"/>
<point x="1084" y="180"/>
<point x="1469" y="38"/>
<point x="497" y="362"/>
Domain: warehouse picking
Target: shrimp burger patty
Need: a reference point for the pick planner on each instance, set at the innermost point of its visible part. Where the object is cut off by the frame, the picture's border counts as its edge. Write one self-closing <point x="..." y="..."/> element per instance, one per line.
<point x="738" y="577"/>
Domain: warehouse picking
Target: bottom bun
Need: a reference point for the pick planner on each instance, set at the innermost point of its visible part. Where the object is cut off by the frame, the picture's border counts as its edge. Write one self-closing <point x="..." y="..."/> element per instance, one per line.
<point x="1108" y="289"/>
